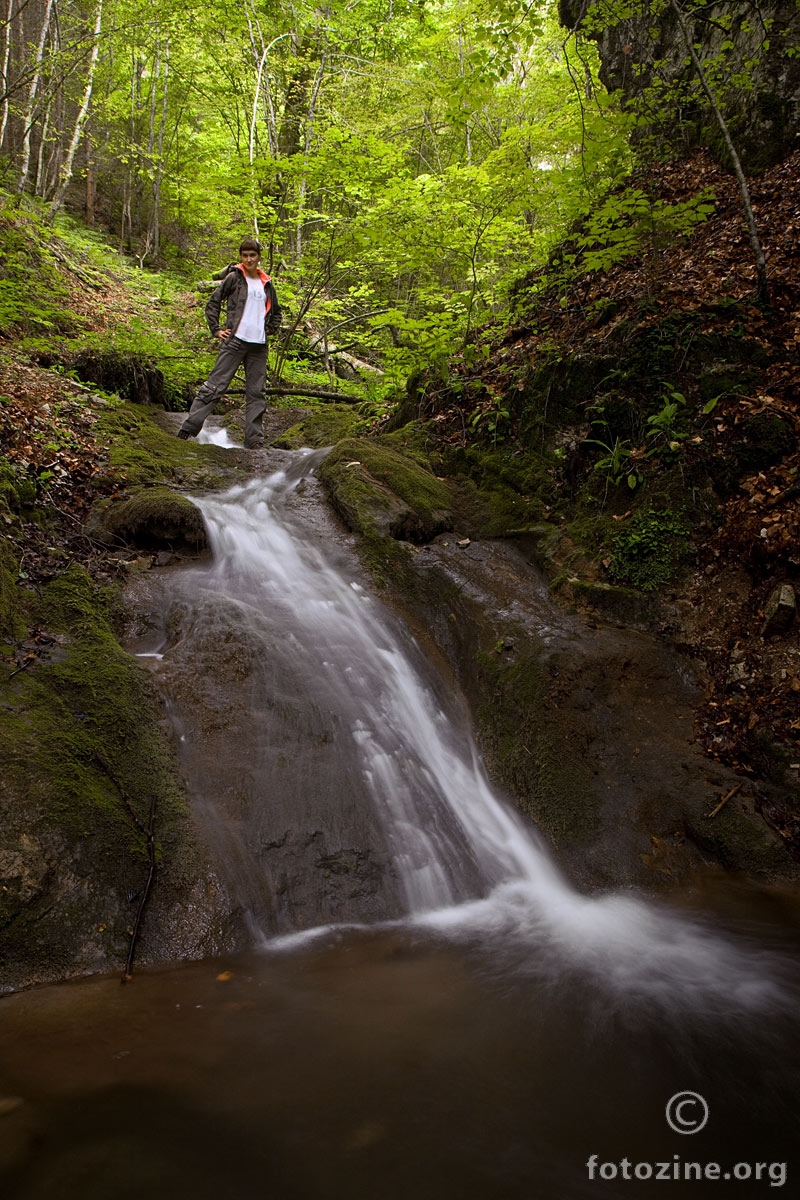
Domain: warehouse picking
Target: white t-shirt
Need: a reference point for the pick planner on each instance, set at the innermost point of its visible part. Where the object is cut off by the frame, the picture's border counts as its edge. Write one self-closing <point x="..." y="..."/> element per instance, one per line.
<point x="251" y="326"/>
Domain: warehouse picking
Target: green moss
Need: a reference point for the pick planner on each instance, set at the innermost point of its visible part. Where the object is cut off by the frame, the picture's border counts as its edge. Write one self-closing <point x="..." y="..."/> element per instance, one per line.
<point x="82" y="746"/>
<point x="12" y="624"/>
<point x="740" y="840"/>
<point x="504" y="490"/>
<point x="33" y="294"/>
<point x="414" y="440"/>
<point x="382" y="493"/>
<point x="16" y="491"/>
<point x="620" y="604"/>
<point x="408" y="478"/>
<point x="324" y="426"/>
<point x="155" y="518"/>
<point x="73" y="604"/>
<point x="140" y="451"/>
<point x="725" y="379"/>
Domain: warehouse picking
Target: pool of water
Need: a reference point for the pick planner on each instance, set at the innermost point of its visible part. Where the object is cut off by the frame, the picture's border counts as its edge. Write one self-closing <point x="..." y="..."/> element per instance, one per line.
<point x="393" y="1063"/>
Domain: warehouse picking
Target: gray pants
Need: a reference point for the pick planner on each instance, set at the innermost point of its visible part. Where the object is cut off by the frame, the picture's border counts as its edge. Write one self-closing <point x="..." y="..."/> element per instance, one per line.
<point x="232" y="353"/>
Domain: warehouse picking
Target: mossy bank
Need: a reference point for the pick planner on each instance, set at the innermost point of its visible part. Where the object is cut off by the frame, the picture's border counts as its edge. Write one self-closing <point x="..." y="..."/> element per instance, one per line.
<point x="88" y="764"/>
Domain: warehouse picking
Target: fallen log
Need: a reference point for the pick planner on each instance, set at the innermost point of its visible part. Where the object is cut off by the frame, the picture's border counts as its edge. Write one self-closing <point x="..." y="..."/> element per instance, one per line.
<point x="316" y="393"/>
<point x="336" y="360"/>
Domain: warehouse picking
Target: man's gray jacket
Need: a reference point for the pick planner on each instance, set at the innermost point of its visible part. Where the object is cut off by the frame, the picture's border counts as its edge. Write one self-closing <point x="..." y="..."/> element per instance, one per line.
<point x="233" y="292"/>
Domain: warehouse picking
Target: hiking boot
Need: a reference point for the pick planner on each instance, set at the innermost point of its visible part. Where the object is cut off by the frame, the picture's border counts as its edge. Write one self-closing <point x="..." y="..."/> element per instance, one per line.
<point x="184" y="436"/>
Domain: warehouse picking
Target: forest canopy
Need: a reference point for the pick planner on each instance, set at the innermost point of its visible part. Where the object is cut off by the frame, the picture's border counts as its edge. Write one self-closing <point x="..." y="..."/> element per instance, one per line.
<point x="402" y="162"/>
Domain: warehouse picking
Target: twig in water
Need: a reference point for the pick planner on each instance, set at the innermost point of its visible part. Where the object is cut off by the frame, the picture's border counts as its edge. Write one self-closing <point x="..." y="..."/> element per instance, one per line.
<point x="724" y="801"/>
<point x="151" y="854"/>
<point x="148" y="832"/>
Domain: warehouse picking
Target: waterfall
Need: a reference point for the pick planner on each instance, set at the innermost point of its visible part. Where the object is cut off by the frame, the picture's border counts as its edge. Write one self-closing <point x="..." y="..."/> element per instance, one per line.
<point x="464" y="862"/>
<point x="449" y="837"/>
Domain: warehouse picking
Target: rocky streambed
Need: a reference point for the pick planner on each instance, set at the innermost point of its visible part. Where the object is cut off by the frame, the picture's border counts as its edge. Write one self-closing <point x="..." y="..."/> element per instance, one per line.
<point x="585" y="726"/>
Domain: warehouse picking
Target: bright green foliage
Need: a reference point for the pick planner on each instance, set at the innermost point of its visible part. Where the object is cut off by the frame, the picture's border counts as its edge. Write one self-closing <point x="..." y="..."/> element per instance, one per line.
<point x="629" y="222"/>
<point x="402" y="163"/>
<point x="664" y="433"/>
<point x="615" y="462"/>
<point x="32" y="292"/>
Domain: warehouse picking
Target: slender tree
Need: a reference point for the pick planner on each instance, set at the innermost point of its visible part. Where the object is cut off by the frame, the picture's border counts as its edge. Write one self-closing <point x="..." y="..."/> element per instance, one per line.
<point x="736" y="162"/>
<point x="7" y="32"/>
<point x="30" y="106"/>
<point x="80" y="120"/>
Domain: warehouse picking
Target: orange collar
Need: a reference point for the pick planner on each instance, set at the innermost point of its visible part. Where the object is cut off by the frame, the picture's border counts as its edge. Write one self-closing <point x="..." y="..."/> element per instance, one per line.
<point x="261" y="274"/>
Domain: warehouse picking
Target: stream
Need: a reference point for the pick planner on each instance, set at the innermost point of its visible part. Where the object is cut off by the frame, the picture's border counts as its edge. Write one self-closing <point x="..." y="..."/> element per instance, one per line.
<point x="421" y="1005"/>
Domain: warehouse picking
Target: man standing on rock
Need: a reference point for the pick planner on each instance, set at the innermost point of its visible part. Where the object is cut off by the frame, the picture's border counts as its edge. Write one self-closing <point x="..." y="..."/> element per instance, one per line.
<point x="252" y="312"/>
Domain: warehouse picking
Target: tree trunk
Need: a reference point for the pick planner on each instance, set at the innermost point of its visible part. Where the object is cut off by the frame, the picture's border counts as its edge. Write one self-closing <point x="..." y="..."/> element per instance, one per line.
<point x="156" y="224"/>
<point x="272" y="125"/>
<point x="338" y="362"/>
<point x="30" y="105"/>
<point x="744" y="191"/>
<point x="289" y="140"/>
<point x="312" y="108"/>
<point x="38" y="183"/>
<point x="6" y="62"/>
<point x="66" y="169"/>
<point x="91" y="183"/>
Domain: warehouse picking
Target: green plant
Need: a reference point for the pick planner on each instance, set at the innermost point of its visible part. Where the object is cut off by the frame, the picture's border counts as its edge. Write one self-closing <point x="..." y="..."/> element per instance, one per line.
<point x="663" y="433"/>
<point x="629" y="221"/>
<point x="615" y="463"/>
<point x="649" y="549"/>
<point x="490" y="418"/>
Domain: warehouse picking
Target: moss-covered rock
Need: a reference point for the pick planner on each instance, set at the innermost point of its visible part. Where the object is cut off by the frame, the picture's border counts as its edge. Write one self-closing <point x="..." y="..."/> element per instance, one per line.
<point x="501" y="489"/>
<point x="85" y="759"/>
<point x="555" y="789"/>
<point x="11" y="622"/>
<point x="155" y="518"/>
<point x="621" y="605"/>
<point x="141" y="451"/>
<point x="381" y="493"/>
<point x="740" y="839"/>
<point x="16" y="492"/>
<point x="126" y="374"/>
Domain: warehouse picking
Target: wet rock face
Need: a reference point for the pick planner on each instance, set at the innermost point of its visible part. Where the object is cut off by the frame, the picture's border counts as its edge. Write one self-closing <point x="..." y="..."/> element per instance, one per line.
<point x="270" y="765"/>
<point x="589" y="729"/>
<point x="763" y="118"/>
<point x="84" y="759"/>
<point x="272" y="787"/>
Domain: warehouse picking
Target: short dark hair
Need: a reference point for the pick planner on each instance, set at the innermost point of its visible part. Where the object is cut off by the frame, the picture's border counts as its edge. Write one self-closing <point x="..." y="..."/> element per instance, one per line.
<point x="250" y="244"/>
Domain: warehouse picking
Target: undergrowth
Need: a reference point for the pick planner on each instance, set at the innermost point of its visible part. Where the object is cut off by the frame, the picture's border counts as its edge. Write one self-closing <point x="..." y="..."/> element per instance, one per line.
<point x="650" y="548"/>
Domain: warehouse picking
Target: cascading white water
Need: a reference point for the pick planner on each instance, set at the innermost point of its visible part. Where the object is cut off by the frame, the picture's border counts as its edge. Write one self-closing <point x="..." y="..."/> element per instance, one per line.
<point x="465" y="860"/>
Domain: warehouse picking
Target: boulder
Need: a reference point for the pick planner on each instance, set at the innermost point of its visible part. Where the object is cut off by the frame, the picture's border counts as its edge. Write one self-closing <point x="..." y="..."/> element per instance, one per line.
<point x="780" y="611"/>
<point x="155" y="518"/>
